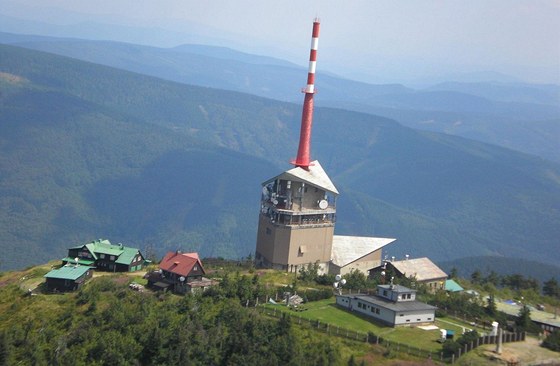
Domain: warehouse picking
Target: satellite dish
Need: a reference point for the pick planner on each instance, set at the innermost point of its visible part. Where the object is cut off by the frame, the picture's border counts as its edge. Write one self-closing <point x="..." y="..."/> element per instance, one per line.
<point x="265" y="191"/>
<point x="335" y="285"/>
<point x="76" y="259"/>
<point x="383" y="273"/>
<point x="337" y="277"/>
<point x="323" y="204"/>
<point x="343" y="282"/>
<point x="182" y="279"/>
<point x="274" y="201"/>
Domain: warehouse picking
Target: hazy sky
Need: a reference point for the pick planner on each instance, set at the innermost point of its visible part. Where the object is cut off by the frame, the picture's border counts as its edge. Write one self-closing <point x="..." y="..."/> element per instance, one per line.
<point x="387" y="40"/>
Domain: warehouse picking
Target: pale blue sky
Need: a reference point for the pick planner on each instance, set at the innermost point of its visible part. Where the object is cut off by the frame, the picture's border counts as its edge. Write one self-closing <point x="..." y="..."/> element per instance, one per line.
<point x="382" y="40"/>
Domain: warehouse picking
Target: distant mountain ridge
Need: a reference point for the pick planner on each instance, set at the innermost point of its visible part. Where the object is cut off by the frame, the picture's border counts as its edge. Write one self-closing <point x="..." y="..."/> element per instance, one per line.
<point x="520" y="116"/>
<point x="90" y="151"/>
<point x="505" y="92"/>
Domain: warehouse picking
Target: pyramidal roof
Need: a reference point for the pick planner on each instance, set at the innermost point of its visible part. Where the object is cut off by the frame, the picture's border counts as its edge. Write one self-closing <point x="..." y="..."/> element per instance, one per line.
<point x="315" y="176"/>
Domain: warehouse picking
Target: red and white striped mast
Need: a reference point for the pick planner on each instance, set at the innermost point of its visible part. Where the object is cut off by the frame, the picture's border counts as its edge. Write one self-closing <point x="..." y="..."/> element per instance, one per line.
<point x="303" y="155"/>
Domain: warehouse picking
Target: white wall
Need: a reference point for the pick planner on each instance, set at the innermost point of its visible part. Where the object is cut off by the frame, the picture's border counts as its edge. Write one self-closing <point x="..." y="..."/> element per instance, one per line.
<point x="384" y="315"/>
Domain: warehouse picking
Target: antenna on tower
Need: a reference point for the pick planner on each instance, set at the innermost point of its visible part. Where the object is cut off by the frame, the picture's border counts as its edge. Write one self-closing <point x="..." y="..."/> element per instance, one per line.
<point x="339" y="283"/>
<point x="303" y="155"/>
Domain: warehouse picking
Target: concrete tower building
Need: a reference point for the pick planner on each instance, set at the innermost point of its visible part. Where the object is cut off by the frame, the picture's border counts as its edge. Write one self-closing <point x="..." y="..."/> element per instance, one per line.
<point x="298" y="210"/>
<point x="296" y="222"/>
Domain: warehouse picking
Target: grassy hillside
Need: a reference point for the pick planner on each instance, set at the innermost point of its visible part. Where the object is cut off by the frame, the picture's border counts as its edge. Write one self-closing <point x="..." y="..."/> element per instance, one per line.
<point x="89" y="151"/>
<point x="105" y="322"/>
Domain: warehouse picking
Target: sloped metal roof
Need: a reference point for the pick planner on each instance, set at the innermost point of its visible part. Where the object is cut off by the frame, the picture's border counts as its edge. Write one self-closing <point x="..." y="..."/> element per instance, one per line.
<point x="399" y="306"/>
<point x="89" y="246"/>
<point x="180" y="263"/>
<point x="452" y="286"/>
<point x="103" y="246"/>
<point x="347" y="249"/>
<point x="127" y="255"/>
<point x="80" y="261"/>
<point x="423" y="269"/>
<point x="397" y="288"/>
<point x="68" y="272"/>
<point x="315" y="176"/>
<point x="106" y="247"/>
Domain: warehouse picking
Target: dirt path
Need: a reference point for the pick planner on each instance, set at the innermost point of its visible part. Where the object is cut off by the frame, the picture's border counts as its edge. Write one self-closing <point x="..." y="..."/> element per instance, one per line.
<point x="132" y="274"/>
<point x="525" y="353"/>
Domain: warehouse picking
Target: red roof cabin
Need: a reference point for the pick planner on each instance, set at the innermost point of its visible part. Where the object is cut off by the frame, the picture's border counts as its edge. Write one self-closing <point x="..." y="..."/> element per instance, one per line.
<point x="182" y="272"/>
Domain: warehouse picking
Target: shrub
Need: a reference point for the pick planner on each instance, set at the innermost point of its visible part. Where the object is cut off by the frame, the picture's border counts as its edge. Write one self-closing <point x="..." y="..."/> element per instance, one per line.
<point x="316" y="295"/>
<point x="440" y="313"/>
<point x="552" y="342"/>
<point x="468" y="337"/>
<point x="450" y="347"/>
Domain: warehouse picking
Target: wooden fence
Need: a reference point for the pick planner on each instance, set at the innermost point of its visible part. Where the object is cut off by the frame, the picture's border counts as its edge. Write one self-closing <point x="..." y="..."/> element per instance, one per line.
<point x="391" y="346"/>
<point x="507" y="337"/>
<point x="334" y="330"/>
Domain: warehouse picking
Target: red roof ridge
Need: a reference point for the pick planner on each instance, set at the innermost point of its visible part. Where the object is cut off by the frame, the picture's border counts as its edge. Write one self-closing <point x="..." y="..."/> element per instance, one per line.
<point x="180" y="263"/>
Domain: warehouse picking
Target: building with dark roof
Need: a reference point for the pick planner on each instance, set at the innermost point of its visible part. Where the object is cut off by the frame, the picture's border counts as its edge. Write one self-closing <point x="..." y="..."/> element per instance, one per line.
<point x="69" y="277"/>
<point x="180" y="272"/>
<point x="103" y="255"/>
<point x="392" y="305"/>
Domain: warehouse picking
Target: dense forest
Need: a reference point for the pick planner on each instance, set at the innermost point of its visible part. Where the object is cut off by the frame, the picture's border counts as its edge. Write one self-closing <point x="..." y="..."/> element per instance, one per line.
<point x="500" y="267"/>
<point x="107" y="324"/>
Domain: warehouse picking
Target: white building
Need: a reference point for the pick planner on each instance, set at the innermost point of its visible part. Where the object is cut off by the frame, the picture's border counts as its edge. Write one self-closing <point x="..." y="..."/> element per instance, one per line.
<point x="393" y="305"/>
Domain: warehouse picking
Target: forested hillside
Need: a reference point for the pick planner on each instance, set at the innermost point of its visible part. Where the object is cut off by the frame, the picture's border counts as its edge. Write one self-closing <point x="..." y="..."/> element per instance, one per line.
<point x="516" y="115"/>
<point x="108" y="324"/>
<point x="88" y="151"/>
<point x="504" y="266"/>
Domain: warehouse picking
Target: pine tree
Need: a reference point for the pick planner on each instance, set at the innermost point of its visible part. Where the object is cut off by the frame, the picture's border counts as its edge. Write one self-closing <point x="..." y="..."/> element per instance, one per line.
<point x="523" y="320"/>
<point x="491" y="308"/>
<point x="551" y="288"/>
<point x="476" y="277"/>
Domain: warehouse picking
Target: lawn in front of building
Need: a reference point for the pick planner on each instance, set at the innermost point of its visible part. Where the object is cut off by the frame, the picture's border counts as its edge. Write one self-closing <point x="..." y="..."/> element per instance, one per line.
<point x="327" y="311"/>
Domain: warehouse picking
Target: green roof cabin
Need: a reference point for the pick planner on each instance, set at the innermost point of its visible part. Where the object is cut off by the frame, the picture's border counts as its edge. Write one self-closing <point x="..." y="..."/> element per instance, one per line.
<point x="105" y="256"/>
<point x="69" y="277"/>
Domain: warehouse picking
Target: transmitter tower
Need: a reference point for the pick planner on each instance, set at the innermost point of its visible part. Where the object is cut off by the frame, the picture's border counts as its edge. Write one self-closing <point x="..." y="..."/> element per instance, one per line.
<point x="298" y="207"/>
